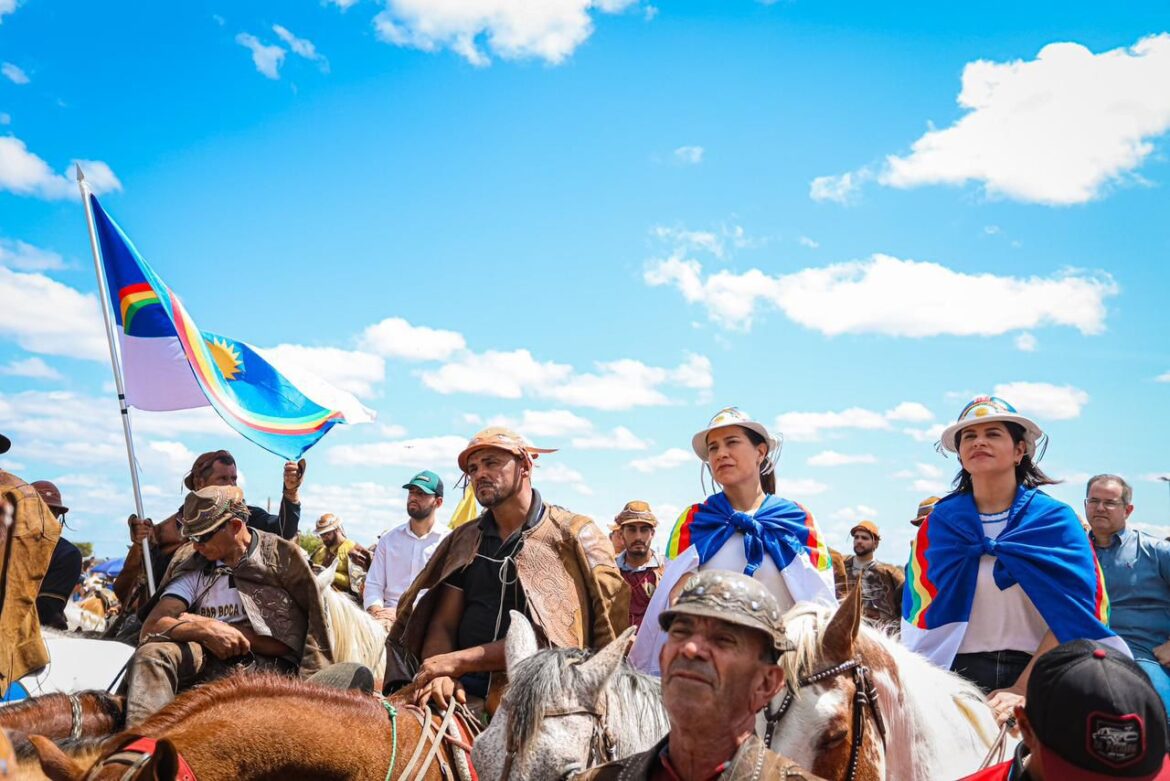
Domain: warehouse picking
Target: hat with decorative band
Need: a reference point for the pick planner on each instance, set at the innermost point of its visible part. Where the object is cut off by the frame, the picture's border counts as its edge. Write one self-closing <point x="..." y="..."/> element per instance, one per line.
<point x="989" y="409"/>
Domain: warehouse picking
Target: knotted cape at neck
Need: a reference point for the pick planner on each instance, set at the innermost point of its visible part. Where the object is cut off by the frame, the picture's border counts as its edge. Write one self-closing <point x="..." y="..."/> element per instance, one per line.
<point x="1043" y="548"/>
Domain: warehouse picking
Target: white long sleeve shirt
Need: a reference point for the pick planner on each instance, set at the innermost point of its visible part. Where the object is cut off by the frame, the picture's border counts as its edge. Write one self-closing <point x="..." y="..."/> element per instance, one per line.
<point x="398" y="558"/>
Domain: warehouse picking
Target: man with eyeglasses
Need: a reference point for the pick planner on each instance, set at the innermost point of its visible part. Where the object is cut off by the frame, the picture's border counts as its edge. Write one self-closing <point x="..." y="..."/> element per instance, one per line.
<point x="237" y="597"/>
<point x="1136" y="567"/>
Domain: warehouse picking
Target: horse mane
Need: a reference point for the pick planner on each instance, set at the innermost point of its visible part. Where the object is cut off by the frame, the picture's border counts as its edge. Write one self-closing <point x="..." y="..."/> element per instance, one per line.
<point x="354" y="634"/>
<point x="538" y="684"/>
<point x="247" y="685"/>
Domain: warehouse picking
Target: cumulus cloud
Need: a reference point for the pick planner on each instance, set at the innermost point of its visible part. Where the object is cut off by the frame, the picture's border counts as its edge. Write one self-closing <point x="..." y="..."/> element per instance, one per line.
<point x="22" y="256"/>
<point x="302" y="47"/>
<point x="688" y="155"/>
<point x="855" y="513"/>
<point x="833" y="458"/>
<point x="24" y="173"/>
<point x="342" y="4"/>
<point x="75" y="328"/>
<point x="614" y="385"/>
<point x="14" y="73"/>
<point x="799" y="487"/>
<point x="805" y="241"/>
<point x="1026" y="342"/>
<point x="891" y="296"/>
<point x="1057" y="130"/>
<point x="33" y="368"/>
<point x="7" y="7"/>
<point x="366" y="509"/>
<point x="559" y="473"/>
<point x="1054" y="402"/>
<point x="546" y="423"/>
<point x="1163" y="377"/>
<point x="549" y="30"/>
<point x="810" y="426"/>
<point x="397" y="338"/>
<point x="619" y="438"/>
<point x="266" y="58"/>
<point x="669" y="459"/>
<point x="843" y="189"/>
<point x="930" y="434"/>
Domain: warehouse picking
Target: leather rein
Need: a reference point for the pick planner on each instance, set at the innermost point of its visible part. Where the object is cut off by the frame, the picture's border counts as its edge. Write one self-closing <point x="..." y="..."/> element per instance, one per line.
<point x="135" y="755"/>
<point x="865" y="695"/>
<point x="602" y="744"/>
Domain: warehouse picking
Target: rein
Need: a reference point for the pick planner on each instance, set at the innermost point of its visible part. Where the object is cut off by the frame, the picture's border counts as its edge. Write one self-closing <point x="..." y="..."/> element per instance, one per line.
<point x="864" y="695"/>
<point x="456" y="722"/>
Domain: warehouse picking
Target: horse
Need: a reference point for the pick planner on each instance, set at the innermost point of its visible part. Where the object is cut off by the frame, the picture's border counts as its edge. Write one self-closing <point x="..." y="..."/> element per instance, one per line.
<point x="566" y="710"/>
<point x="262" y="726"/>
<point x="57" y="716"/>
<point x="859" y="705"/>
<point x="354" y="635"/>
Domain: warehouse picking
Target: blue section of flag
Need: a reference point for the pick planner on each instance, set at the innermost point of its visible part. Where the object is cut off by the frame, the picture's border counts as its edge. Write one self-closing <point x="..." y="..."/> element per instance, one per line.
<point x="777" y="529"/>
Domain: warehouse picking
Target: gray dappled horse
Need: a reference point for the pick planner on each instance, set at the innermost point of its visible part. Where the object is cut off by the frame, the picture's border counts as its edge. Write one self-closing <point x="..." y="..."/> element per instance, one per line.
<point x="566" y="710"/>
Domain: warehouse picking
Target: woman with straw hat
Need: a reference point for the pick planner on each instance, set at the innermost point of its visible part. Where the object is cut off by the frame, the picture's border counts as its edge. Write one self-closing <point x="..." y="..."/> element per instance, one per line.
<point x="999" y="571"/>
<point x="744" y="528"/>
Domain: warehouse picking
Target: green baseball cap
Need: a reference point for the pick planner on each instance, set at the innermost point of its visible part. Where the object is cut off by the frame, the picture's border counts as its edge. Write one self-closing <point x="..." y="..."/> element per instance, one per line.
<point x="427" y="482"/>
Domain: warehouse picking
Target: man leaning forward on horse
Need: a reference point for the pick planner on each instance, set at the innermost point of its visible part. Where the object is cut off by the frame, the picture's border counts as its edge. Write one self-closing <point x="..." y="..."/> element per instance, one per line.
<point x="236" y="597"/>
<point x="552" y="565"/>
<point x="719" y="669"/>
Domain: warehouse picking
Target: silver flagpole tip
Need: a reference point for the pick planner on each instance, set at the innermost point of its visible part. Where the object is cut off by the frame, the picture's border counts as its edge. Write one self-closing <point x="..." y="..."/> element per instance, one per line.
<point x="80" y="175"/>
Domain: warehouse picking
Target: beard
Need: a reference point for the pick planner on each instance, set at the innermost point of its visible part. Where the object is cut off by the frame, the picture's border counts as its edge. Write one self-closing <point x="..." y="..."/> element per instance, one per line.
<point x="418" y="512"/>
<point x="491" y="495"/>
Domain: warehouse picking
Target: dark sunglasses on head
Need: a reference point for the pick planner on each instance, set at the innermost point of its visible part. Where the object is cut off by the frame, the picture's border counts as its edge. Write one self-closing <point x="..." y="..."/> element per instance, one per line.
<point x="199" y="539"/>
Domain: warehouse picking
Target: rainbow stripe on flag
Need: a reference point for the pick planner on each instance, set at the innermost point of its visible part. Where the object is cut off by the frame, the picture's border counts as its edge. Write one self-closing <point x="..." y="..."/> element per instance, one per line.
<point x="168" y="363"/>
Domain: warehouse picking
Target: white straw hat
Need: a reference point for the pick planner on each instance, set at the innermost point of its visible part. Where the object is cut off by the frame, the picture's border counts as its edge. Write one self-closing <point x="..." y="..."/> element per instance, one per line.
<point x="733" y="416"/>
<point x="987" y="409"/>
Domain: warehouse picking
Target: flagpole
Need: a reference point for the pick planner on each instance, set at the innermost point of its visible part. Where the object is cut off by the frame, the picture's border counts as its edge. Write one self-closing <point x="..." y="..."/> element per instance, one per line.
<point x="116" y="364"/>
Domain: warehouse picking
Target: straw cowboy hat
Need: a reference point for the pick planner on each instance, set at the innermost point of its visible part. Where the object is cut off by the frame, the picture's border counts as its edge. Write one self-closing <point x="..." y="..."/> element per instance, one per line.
<point x="327" y="523"/>
<point x="733" y="416"/>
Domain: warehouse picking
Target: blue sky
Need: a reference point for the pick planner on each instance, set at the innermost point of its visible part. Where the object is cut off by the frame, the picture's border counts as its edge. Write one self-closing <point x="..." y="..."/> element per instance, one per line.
<point x="601" y="222"/>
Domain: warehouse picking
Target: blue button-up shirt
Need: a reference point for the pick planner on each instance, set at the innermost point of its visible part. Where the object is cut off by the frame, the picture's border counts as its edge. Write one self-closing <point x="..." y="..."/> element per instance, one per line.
<point x="1137" y="578"/>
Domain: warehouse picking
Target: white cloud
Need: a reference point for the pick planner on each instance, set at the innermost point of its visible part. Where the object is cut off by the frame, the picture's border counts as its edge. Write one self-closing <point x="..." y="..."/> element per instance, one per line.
<point x="1055" y="402"/>
<point x="855" y="513"/>
<point x="1056" y="130"/>
<point x="366" y="509"/>
<point x="929" y="487"/>
<point x="396" y="338"/>
<point x="808" y="426"/>
<point x="33" y="368"/>
<point x="799" y="487"/>
<point x="22" y="256"/>
<point x="350" y="370"/>
<point x="24" y="173"/>
<point x="930" y="434"/>
<point x="267" y="59"/>
<point x="392" y="430"/>
<point x="342" y="4"/>
<point x="552" y="423"/>
<point x="7" y="7"/>
<point x="833" y="458"/>
<point x="1163" y="377"/>
<point x="75" y="328"/>
<point x="842" y="189"/>
<point x="928" y="470"/>
<point x="549" y="30"/>
<point x="559" y="473"/>
<point x="421" y="453"/>
<point x="620" y="438"/>
<point x="688" y="155"/>
<point x="910" y="412"/>
<point x="14" y="73"/>
<point x="669" y="459"/>
<point x="684" y="240"/>
<point x="302" y="47"/>
<point x="1026" y="342"/>
<point x="615" y="385"/>
<point x="891" y="296"/>
<point x="805" y="241"/>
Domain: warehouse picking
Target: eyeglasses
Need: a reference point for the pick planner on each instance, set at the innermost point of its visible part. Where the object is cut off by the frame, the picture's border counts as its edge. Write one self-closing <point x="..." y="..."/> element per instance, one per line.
<point x="1108" y="504"/>
<point x="199" y="539"/>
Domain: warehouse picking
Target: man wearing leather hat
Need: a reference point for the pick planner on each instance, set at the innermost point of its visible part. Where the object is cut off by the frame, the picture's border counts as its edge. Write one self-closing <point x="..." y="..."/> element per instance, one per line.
<point x="880" y="583"/>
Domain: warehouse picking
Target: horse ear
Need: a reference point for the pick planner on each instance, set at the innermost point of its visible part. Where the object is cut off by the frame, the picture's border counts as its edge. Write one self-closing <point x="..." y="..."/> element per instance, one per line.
<point x="842" y="631"/>
<point x="55" y="764"/>
<point x="164" y="765"/>
<point x="597" y="669"/>
<point x="520" y="642"/>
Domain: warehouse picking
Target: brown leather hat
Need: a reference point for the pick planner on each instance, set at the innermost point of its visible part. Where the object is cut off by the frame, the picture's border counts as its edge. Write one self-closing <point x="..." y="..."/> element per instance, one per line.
<point x="51" y="495"/>
<point x="636" y="512"/>
<point x="504" y="439"/>
<point x="211" y="507"/>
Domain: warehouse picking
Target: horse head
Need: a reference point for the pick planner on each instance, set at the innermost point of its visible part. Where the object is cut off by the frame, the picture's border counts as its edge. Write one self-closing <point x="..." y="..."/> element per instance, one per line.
<point x="829" y="719"/>
<point x="564" y="710"/>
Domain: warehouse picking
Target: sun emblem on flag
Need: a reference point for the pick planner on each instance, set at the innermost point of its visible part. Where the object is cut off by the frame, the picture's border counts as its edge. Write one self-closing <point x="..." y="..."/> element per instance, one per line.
<point x="226" y="356"/>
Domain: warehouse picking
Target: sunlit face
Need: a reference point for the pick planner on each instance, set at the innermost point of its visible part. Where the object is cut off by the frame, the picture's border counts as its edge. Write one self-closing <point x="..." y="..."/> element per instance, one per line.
<point x="420" y="504"/>
<point x="636" y="537"/>
<point x="1106" y="510"/>
<point x="495" y="475"/>
<point x="987" y="449"/>
<point x="332" y="538"/>
<point x="733" y="458"/>
<point x="220" y="474"/>
<point x="863" y="542"/>
<point x="715" y="672"/>
<point x="220" y="544"/>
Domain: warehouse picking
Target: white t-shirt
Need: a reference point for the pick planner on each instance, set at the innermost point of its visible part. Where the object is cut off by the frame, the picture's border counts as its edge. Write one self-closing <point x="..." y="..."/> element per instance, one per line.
<point x="1000" y="620"/>
<point x="398" y="558"/>
<point x="210" y="596"/>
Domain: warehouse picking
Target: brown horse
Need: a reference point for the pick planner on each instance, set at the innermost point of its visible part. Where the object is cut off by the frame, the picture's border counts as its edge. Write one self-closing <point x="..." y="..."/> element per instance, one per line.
<point x="267" y="727"/>
<point x="87" y="714"/>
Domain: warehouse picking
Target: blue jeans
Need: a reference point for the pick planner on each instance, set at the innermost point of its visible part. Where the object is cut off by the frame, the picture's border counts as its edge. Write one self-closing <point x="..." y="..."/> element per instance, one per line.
<point x="1159" y="677"/>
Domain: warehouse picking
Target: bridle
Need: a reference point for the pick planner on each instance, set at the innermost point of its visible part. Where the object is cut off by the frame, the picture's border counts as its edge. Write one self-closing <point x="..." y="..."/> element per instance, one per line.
<point x="602" y="744"/>
<point x="135" y="755"/>
<point x="864" y="695"/>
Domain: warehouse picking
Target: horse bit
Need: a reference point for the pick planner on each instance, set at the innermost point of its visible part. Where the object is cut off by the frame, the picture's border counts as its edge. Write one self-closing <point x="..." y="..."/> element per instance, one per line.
<point x="602" y="744"/>
<point x="864" y="695"/>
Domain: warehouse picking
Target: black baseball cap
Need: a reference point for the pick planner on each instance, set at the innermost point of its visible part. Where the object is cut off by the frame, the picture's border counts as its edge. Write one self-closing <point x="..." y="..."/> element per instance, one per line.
<point x="1096" y="715"/>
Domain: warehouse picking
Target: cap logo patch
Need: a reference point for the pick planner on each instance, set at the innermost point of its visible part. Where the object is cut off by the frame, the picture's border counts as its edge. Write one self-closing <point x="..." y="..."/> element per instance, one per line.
<point x="1117" y="741"/>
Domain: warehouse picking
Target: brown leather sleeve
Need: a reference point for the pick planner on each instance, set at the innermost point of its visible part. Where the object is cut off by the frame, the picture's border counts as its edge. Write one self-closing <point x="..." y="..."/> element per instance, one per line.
<point x="302" y="587"/>
<point x="609" y="594"/>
